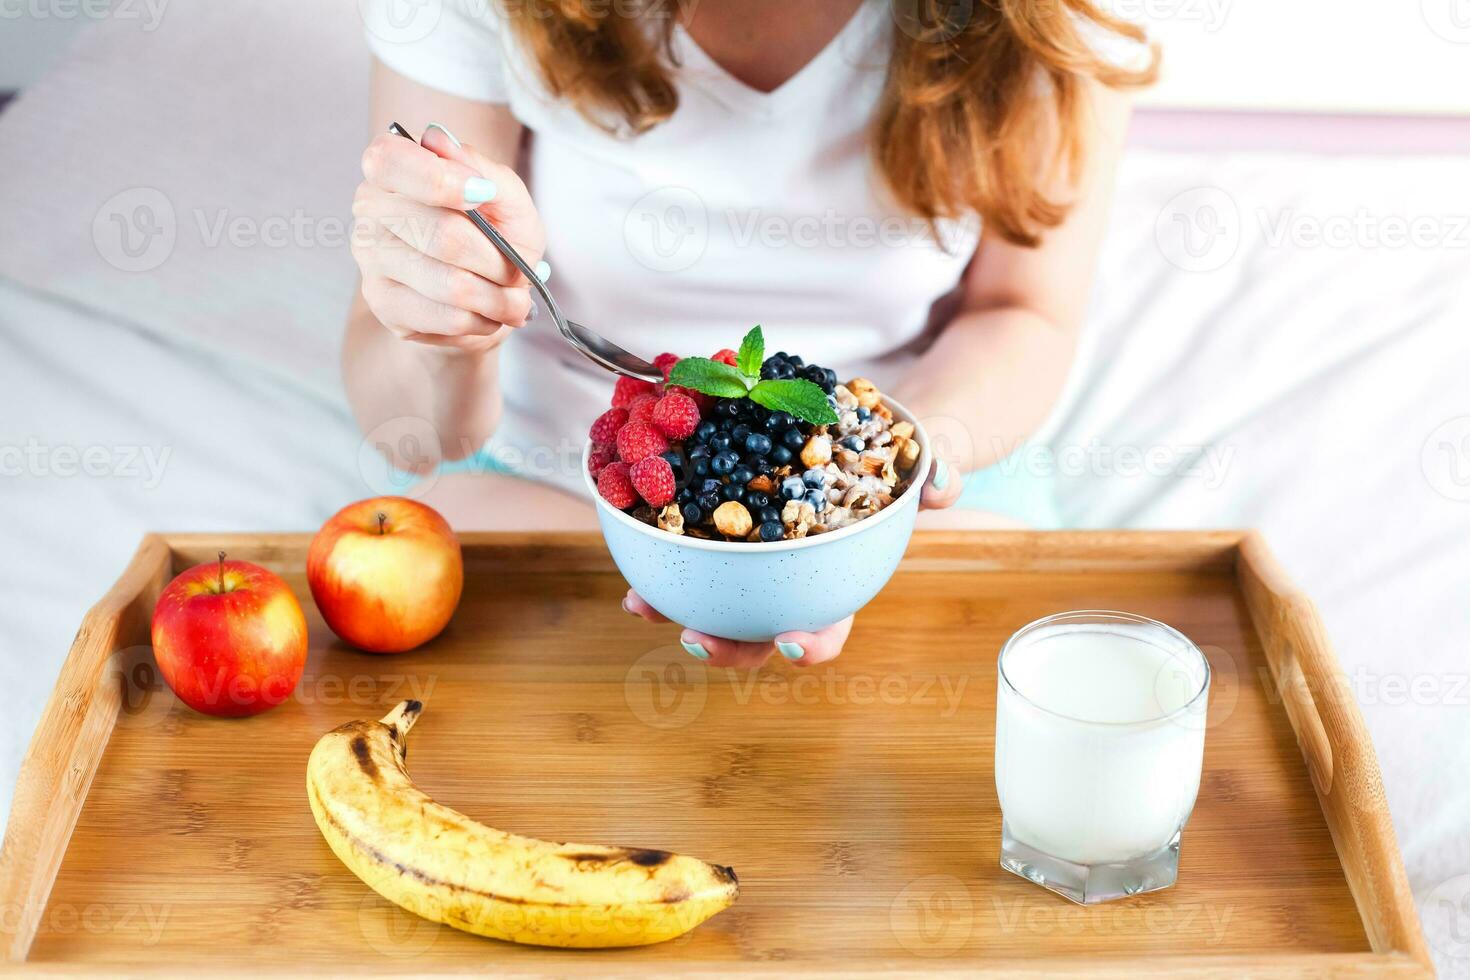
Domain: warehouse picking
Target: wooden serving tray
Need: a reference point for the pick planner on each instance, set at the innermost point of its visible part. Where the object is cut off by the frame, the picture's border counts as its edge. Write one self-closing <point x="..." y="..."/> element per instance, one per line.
<point x="856" y="799"/>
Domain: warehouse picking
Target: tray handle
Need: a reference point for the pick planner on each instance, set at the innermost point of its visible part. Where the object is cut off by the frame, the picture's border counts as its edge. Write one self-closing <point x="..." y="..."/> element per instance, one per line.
<point x="68" y="744"/>
<point x="1336" y="747"/>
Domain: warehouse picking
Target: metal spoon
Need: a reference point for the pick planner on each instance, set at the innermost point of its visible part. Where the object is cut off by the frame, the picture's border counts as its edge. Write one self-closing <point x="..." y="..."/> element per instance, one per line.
<point x="598" y="349"/>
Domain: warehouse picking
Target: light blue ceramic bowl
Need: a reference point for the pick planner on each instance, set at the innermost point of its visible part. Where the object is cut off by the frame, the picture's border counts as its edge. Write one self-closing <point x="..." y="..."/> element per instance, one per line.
<point x="755" y="591"/>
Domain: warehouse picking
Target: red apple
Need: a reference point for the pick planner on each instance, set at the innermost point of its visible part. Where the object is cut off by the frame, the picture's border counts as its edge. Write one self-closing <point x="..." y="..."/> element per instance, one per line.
<point x="229" y="638"/>
<point x="386" y="573"/>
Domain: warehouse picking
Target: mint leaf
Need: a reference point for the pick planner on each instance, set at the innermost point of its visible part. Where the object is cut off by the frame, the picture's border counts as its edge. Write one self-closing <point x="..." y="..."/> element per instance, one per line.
<point x="711" y="377"/>
<point x="800" y="398"/>
<point x="752" y="353"/>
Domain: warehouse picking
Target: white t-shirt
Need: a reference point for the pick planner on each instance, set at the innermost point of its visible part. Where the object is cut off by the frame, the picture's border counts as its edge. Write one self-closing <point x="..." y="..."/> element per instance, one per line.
<point x="744" y="207"/>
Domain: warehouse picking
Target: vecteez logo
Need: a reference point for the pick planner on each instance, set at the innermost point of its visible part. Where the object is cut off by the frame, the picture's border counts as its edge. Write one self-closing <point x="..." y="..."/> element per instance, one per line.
<point x="932" y="916"/>
<point x="400" y="21"/>
<point x="943" y="23"/>
<point x="1199" y="230"/>
<point x="665" y="689"/>
<point x="1445" y="459"/>
<point x="1448" y="19"/>
<point x="135" y="230"/>
<point x="667" y="230"/>
<point x="148" y="13"/>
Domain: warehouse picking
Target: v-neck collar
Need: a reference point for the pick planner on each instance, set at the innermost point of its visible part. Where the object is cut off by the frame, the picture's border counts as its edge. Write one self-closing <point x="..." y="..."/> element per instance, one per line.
<point x="699" y="67"/>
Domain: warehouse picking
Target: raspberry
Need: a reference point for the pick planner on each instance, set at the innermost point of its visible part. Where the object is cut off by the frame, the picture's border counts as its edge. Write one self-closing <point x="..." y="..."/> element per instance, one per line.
<point x="639" y="440"/>
<point x="726" y="356"/>
<point x="600" y="457"/>
<point x="616" y="487"/>
<point x="703" y="402"/>
<point x="653" y="478"/>
<point x="628" y="389"/>
<point x="665" y="363"/>
<point x="640" y="409"/>
<point x="676" y="415"/>
<point x="605" y="429"/>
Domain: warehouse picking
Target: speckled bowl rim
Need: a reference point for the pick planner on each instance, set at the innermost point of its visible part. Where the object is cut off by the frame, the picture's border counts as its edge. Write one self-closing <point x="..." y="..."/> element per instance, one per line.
<point x="916" y="485"/>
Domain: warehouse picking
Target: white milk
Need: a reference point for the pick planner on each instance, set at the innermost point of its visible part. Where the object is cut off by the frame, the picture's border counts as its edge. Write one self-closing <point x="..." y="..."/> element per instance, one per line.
<point x="1098" y="760"/>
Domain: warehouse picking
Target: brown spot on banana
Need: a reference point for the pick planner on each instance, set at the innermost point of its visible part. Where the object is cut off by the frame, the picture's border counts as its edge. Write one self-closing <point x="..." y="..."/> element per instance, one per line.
<point x="364" y="757"/>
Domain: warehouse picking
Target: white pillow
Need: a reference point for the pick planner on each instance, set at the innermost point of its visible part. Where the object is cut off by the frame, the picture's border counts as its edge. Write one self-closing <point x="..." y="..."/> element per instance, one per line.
<point x="222" y="140"/>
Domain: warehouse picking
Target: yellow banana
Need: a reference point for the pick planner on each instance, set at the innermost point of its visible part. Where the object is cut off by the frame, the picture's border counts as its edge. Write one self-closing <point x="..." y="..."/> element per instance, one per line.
<point x="440" y="864"/>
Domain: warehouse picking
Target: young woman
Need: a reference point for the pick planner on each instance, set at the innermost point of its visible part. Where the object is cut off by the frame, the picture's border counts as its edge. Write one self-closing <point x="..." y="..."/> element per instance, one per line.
<point x="912" y="191"/>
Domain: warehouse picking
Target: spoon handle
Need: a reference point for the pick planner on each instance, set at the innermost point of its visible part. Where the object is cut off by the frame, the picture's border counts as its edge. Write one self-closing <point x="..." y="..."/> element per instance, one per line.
<point x="506" y="249"/>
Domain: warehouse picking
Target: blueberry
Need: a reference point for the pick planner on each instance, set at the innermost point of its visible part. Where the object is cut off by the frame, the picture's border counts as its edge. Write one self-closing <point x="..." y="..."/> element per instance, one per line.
<point x="768" y="371"/>
<point x="785" y="372"/>
<point x="721" y="465"/>
<point x="855" y="443"/>
<point x="700" y="452"/>
<point x="781" y="355"/>
<point x="766" y="514"/>
<point x="831" y="379"/>
<point x="771" y="531"/>
<point x="711" y="486"/>
<point x="740" y="433"/>
<point x="758" y="499"/>
<point x="863" y="414"/>
<point x="817" y="499"/>
<point x="779" y="421"/>
<point x="729" y="408"/>
<point x="685" y="495"/>
<point x="780" y="456"/>
<point x="720" y="441"/>
<point x="741" y="475"/>
<point x="757" y="443"/>
<point x="792" y="439"/>
<point x="795" y="361"/>
<point x="692" y="513"/>
<point x="705" y="430"/>
<point x="701" y="466"/>
<point x="708" y="502"/>
<point x="759" y="464"/>
<point x="733" y="491"/>
<point x="792" y="487"/>
<point x="674" y="459"/>
<point x="814" y="478"/>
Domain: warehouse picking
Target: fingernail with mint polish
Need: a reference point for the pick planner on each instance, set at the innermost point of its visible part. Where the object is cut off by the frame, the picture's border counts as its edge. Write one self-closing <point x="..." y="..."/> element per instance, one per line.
<point x="626" y="608"/>
<point x="543" y="270"/>
<point x="695" y="650"/>
<point x="452" y="138"/>
<point x="941" y="475"/>
<point x="478" y="190"/>
<point x="531" y="314"/>
<point x="791" y="651"/>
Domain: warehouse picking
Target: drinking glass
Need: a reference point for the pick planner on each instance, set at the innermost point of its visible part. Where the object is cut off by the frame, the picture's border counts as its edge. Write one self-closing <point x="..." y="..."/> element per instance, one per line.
<point x="1099" y="740"/>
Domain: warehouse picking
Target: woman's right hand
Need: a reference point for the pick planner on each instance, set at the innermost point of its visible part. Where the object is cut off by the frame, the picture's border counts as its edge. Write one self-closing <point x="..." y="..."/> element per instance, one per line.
<point x="428" y="274"/>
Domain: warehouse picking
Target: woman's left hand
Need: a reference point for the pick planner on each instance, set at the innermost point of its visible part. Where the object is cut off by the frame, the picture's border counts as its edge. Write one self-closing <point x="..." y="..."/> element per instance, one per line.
<point x="941" y="490"/>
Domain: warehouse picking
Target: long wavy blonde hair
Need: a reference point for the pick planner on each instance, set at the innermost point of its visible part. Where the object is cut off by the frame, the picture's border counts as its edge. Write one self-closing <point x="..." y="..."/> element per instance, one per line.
<point x="982" y="111"/>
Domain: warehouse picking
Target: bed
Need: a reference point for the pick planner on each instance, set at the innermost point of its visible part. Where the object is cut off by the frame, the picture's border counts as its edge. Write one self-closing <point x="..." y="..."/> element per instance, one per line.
<point x="1276" y="340"/>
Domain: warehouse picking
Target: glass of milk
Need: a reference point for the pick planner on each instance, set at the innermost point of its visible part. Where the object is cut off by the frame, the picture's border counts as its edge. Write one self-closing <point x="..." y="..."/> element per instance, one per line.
<point x="1099" y="736"/>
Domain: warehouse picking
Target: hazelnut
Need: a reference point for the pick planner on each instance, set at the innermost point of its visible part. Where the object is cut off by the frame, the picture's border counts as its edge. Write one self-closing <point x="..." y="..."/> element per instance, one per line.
<point x="733" y="519"/>
<point x="816" y="452"/>
<point x="865" y="391"/>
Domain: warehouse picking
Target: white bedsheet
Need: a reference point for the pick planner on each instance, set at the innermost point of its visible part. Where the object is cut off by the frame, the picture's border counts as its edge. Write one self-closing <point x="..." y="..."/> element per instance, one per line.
<point x="1256" y="379"/>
